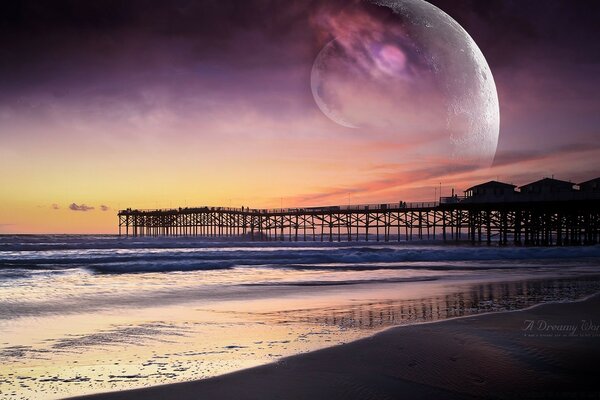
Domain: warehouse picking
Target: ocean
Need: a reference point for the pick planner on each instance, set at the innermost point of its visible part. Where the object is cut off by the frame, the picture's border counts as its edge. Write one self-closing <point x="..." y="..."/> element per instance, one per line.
<point x="87" y="313"/>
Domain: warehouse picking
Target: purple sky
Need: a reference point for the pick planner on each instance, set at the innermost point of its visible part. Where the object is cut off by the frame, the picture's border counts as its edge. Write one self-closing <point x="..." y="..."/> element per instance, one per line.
<point x="114" y="103"/>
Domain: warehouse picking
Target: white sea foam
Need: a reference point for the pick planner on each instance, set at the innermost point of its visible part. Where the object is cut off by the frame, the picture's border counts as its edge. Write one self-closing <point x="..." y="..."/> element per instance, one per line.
<point x="110" y="254"/>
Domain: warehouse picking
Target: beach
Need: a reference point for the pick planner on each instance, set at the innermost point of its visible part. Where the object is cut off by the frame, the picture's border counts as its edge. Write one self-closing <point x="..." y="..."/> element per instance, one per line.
<point x="548" y="351"/>
<point x="85" y="314"/>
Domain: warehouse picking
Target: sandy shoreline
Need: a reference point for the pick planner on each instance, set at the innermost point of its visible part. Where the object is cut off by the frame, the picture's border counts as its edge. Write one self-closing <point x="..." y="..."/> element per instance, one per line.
<point x="541" y="352"/>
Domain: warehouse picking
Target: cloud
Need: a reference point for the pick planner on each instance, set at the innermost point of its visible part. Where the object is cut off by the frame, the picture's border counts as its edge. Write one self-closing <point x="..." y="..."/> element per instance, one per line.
<point x="81" y="207"/>
<point x="513" y="157"/>
<point x="104" y="208"/>
<point x="55" y="206"/>
<point x="388" y="185"/>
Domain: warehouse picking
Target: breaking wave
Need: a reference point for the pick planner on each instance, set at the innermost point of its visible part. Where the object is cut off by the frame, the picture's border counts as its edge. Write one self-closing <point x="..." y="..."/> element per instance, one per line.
<point x="110" y="254"/>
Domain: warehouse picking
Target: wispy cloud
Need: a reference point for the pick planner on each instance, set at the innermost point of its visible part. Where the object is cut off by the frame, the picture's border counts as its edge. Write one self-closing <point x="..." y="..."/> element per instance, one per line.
<point x="387" y="184"/>
<point x="55" y="206"/>
<point x="80" y="207"/>
<point x="104" y="208"/>
<point x="513" y="157"/>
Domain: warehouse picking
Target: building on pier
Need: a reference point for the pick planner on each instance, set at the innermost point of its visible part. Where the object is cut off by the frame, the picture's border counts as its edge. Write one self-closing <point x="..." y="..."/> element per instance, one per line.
<point x="547" y="186"/>
<point x="549" y="189"/>
<point x="491" y="192"/>
<point x="591" y="186"/>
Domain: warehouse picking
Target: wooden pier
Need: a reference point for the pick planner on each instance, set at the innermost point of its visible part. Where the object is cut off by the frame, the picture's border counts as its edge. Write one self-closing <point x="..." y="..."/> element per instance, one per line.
<point x="574" y="221"/>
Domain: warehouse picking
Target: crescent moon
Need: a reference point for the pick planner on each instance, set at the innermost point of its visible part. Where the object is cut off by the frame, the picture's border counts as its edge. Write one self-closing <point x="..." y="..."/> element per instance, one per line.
<point x="316" y="87"/>
<point x="449" y="93"/>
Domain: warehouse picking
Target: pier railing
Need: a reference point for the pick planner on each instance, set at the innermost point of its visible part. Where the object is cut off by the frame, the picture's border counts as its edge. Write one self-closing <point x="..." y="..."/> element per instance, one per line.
<point x="356" y="207"/>
<point x="520" y="197"/>
<point x="541" y="222"/>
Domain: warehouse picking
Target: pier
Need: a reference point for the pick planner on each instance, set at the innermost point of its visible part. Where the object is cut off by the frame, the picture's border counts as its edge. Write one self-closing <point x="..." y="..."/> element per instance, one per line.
<point x="489" y="213"/>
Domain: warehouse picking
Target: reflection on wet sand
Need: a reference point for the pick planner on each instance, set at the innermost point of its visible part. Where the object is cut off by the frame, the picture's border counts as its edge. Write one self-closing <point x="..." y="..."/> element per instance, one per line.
<point x="465" y="300"/>
<point x="173" y="344"/>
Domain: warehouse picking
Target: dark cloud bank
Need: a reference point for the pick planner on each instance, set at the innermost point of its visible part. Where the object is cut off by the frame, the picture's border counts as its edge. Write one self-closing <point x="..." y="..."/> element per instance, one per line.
<point x="545" y="54"/>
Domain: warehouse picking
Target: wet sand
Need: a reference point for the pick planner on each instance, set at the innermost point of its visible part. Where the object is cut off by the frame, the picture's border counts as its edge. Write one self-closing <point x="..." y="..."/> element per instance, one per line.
<point x="549" y="351"/>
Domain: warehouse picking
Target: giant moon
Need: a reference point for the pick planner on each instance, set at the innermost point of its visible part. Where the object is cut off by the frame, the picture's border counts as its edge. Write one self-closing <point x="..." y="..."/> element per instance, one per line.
<point x="414" y="77"/>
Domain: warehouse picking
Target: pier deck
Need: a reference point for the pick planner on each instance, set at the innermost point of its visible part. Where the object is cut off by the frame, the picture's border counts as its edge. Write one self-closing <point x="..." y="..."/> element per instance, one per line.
<point x="571" y="222"/>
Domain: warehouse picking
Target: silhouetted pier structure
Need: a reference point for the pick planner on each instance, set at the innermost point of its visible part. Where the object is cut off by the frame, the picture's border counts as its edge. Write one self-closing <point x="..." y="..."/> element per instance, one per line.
<point x="489" y="213"/>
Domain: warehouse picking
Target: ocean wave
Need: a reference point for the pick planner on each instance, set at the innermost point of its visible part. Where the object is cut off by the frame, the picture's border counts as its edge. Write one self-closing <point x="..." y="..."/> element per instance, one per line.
<point x="180" y="256"/>
<point x="344" y="282"/>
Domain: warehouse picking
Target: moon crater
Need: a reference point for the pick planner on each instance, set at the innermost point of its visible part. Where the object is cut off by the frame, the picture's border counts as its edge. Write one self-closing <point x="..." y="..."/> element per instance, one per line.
<point x="415" y="76"/>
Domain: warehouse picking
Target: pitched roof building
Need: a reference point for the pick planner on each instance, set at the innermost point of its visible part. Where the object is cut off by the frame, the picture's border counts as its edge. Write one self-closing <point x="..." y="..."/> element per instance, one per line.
<point x="548" y="185"/>
<point x="593" y="185"/>
<point x="491" y="188"/>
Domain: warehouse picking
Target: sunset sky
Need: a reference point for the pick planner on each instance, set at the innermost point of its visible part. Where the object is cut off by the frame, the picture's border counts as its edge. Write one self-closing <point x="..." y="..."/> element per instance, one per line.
<point x="109" y="104"/>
